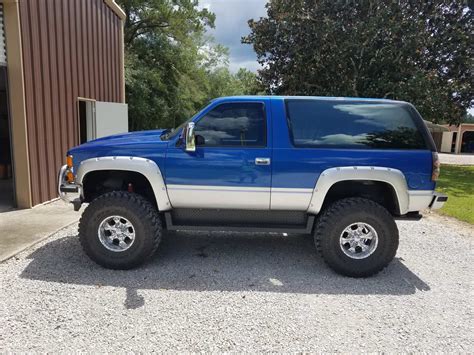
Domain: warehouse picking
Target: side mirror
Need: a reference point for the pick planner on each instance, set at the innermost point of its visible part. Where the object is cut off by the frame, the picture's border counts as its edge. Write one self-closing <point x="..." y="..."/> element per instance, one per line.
<point x="200" y="140"/>
<point x="189" y="138"/>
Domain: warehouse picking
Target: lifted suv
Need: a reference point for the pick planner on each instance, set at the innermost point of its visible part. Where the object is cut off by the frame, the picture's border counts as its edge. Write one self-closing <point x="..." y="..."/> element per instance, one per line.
<point x="341" y="169"/>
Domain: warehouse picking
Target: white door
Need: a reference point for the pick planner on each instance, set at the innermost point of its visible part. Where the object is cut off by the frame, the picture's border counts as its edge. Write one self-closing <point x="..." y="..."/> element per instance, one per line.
<point x="446" y="142"/>
<point x="110" y="118"/>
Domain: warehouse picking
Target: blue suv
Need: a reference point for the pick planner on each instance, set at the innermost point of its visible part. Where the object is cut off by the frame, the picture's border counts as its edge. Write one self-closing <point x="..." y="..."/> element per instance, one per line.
<point x="341" y="169"/>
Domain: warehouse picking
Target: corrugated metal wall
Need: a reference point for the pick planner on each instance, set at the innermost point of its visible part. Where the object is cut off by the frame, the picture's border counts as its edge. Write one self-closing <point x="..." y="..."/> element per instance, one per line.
<point x="71" y="49"/>
<point x="3" y="53"/>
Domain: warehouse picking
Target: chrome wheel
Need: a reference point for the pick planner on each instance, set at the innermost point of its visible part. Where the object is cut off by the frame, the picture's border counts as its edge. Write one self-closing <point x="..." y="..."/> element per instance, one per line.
<point x="116" y="233"/>
<point x="358" y="240"/>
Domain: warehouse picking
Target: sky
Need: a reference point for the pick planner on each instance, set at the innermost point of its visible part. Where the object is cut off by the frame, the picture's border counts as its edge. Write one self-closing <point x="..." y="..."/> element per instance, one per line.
<point x="231" y="26"/>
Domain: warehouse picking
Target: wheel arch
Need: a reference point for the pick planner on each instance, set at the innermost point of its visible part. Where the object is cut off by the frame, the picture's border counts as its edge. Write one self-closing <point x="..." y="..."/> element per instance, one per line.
<point x="331" y="177"/>
<point x="145" y="167"/>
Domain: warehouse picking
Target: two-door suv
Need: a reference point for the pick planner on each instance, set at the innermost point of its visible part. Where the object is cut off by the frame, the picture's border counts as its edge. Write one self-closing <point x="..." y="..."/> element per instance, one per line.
<point x="341" y="169"/>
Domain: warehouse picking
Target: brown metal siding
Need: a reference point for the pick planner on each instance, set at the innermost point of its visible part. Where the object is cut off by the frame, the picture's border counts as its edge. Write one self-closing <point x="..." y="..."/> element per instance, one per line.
<point x="71" y="49"/>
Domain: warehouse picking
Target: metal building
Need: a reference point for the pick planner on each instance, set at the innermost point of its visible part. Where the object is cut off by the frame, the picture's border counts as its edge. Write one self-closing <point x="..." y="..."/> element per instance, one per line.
<point x="56" y="57"/>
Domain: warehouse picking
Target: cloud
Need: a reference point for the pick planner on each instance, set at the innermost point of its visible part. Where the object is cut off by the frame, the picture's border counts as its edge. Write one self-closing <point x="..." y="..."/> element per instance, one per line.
<point x="387" y="116"/>
<point x="236" y="123"/>
<point x="231" y="25"/>
<point x="336" y="139"/>
<point x="251" y="65"/>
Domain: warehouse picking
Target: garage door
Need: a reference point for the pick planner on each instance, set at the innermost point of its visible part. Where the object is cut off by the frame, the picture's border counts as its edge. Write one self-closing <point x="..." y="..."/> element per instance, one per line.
<point x="3" y="53"/>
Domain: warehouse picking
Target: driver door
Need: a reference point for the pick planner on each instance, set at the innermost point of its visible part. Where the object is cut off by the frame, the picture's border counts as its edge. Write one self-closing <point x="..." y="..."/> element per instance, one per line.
<point x="231" y="167"/>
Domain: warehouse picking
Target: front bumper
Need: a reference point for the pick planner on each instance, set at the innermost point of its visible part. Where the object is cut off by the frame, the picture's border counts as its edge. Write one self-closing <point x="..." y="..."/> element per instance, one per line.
<point x="69" y="192"/>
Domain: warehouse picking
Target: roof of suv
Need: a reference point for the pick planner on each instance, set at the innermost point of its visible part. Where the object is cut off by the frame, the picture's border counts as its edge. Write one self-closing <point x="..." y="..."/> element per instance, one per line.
<point x="325" y="98"/>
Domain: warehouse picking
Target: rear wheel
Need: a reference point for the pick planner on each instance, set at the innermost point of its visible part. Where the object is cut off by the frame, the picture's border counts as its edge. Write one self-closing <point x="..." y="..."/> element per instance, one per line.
<point x="356" y="237"/>
<point x="120" y="230"/>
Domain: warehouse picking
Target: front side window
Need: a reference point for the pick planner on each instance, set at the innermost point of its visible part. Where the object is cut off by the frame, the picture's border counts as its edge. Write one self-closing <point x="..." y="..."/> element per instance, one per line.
<point x="359" y="124"/>
<point x="233" y="125"/>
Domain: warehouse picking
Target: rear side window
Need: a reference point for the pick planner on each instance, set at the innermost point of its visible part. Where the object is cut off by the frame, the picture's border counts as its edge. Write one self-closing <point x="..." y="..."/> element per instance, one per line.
<point x="234" y="125"/>
<point x="343" y="124"/>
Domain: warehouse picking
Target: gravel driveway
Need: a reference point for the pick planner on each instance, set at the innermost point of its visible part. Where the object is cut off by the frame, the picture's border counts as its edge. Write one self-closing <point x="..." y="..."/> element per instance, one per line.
<point x="242" y="292"/>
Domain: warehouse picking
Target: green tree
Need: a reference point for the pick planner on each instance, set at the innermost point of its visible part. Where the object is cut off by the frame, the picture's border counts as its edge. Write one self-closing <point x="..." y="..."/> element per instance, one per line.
<point x="418" y="51"/>
<point x="249" y="83"/>
<point x="468" y="118"/>
<point x="172" y="68"/>
<point x="223" y="83"/>
<point x="164" y="78"/>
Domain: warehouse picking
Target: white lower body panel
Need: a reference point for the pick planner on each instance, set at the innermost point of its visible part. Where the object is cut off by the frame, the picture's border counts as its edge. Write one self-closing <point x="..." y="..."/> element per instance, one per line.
<point x="228" y="197"/>
<point x="231" y="197"/>
<point x="262" y="198"/>
<point x="290" y="199"/>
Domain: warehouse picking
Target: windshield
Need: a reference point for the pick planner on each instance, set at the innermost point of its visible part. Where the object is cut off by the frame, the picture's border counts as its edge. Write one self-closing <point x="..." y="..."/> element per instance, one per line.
<point x="169" y="134"/>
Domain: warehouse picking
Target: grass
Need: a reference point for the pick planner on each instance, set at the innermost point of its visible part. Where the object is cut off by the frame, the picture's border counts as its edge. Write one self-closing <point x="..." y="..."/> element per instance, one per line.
<point x="458" y="183"/>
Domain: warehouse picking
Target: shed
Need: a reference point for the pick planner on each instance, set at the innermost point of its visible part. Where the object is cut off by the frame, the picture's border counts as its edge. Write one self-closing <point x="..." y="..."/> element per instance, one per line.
<point x="57" y="59"/>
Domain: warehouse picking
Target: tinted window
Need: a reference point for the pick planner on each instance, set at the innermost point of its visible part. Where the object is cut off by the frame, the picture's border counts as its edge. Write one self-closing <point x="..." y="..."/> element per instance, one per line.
<point x="234" y="125"/>
<point x="339" y="124"/>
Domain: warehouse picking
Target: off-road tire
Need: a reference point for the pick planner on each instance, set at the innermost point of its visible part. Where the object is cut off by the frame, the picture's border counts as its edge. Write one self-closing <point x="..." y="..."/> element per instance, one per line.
<point x="340" y="214"/>
<point x="138" y="211"/>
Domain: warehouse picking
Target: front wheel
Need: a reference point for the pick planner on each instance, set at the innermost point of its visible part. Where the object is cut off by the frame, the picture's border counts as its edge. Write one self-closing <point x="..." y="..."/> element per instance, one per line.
<point x="120" y="230"/>
<point x="356" y="237"/>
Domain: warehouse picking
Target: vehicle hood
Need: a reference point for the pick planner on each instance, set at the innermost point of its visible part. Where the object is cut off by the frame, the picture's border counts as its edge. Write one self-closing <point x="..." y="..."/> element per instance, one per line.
<point x="141" y="144"/>
<point x="127" y="138"/>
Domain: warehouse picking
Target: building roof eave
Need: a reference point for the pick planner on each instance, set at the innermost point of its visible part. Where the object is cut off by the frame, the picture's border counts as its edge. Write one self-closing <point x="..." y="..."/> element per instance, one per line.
<point x="433" y="127"/>
<point x="115" y="8"/>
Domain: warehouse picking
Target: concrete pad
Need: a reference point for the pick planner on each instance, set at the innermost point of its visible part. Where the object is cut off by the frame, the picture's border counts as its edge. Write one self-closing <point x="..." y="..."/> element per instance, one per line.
<point x="6" y="195"/>
<point x="456" y="159"/>
<point x="20" y="229"/>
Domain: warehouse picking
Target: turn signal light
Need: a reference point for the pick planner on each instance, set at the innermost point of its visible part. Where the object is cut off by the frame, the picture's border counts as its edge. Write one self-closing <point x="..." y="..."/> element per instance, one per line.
<point x="69" y="161"/>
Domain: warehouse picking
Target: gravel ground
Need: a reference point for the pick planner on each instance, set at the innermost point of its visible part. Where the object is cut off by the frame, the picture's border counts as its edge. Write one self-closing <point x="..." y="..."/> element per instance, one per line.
<point x="242" y="292"/>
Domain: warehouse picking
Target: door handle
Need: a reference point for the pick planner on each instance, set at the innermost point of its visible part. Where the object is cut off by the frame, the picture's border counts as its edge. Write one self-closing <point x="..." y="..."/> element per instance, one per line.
<point x="262" y="161"/>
